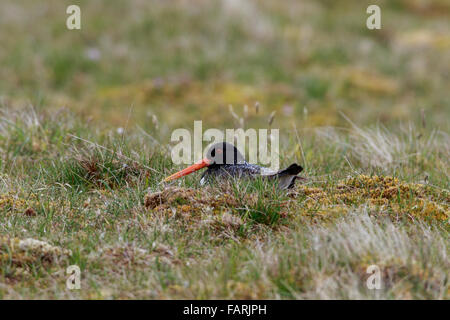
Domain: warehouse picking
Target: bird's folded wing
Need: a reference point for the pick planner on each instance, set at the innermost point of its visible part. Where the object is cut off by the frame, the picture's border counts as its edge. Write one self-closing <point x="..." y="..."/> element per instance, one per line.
<point x="286" y="177"/>
<point x="268" y="172"/>
<point x="293" y="169"/>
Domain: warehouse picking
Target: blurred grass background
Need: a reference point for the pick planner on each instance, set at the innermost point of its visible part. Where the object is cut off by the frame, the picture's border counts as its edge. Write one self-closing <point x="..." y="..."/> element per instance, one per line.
<point x="188" y="60"/>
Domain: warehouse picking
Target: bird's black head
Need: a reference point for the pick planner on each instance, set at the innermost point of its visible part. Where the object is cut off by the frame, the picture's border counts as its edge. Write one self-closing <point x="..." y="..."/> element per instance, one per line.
<point x="224" y="153"/>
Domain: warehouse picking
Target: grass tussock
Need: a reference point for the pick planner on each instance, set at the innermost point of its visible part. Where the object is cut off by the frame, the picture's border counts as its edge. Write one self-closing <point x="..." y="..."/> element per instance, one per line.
<point x="29" y="257"/>
<point x="386" y="194"/>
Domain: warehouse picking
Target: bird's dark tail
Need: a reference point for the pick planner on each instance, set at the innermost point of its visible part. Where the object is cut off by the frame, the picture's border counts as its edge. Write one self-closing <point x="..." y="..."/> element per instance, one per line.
<point x="288" y="176"/>
<point x="293" y="169"/>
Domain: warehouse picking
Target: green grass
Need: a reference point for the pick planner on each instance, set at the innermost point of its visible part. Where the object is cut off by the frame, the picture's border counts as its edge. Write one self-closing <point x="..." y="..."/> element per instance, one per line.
<point x="243" y="240"/>
<point x="364" y="112"/>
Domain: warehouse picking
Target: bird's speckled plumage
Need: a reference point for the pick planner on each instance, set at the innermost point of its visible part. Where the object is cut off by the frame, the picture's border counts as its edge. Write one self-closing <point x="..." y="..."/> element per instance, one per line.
<point x="239" y="168"/>
<point x="231" y="170"/>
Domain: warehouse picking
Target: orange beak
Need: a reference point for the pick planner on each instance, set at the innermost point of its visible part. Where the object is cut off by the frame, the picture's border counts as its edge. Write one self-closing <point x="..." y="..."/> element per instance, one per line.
<point x="196" y="166"/>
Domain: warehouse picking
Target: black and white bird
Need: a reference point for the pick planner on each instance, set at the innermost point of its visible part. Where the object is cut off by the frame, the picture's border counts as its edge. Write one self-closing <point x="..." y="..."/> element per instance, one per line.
<point x="224" y="161"/>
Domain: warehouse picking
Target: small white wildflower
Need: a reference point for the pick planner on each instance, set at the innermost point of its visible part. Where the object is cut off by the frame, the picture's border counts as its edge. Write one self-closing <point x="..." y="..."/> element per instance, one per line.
<point x="93" y="54"/>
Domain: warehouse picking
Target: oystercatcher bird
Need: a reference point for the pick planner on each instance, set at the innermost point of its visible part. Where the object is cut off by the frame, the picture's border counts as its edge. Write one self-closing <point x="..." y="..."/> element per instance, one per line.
<point x="223" y="161"/>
